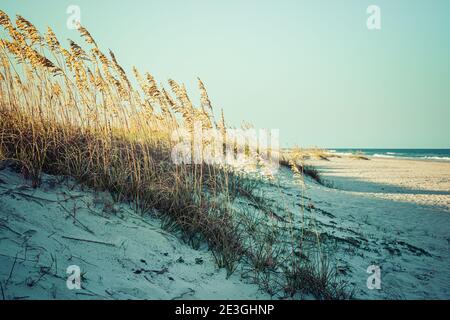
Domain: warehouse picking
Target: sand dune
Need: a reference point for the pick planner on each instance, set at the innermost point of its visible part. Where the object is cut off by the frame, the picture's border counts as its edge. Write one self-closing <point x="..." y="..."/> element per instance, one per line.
<point x="121" y="255"/>
<point x="399" y="224"/>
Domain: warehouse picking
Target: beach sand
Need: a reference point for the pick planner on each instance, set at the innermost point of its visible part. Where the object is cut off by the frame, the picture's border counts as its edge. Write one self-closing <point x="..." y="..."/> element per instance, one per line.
<point x="392" y="213"/>
<point x="121" y="255"/>
<point x="423" y="182"/>
<point x="389" y="213"/>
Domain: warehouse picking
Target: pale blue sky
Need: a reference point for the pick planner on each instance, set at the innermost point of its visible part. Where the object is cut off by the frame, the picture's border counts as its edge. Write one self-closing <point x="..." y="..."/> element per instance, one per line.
<point x="309" y="68"/>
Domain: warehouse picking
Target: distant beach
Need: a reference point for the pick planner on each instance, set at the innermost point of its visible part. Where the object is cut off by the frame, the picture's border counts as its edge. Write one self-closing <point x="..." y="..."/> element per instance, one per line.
<point x="401" y="179"/>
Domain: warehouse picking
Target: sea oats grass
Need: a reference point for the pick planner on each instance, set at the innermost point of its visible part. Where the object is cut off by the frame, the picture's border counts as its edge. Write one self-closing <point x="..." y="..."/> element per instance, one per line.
<point x="73" y="111"/>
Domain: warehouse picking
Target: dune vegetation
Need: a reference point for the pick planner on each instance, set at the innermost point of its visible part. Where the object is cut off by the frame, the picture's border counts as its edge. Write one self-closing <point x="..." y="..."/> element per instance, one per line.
<point x="73" y="111"/>
<point x="358" y="155"/>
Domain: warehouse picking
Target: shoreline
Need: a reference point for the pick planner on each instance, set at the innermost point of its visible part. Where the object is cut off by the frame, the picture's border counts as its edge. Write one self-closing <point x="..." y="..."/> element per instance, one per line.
<point x="410" y="158"/>
<point x="371" y="157"/>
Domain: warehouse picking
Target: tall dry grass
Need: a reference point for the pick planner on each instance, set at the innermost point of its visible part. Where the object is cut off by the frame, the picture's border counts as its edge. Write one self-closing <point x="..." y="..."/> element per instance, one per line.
<point x="73" y="111"/>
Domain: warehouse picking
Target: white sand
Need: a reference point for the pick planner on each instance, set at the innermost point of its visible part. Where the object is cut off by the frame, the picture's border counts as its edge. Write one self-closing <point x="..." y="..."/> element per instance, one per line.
<point x="390" y="213"/>
<point x="422" y="182"/>
<point x="141" y="262"/>
<point x="397" y="215"/>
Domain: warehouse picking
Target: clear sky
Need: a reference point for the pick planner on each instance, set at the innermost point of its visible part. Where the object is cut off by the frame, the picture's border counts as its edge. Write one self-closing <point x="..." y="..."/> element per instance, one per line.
<point x="309" y="68"/>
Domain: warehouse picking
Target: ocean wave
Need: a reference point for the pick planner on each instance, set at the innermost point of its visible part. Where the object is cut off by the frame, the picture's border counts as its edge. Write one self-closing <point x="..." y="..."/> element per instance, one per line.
<point x="435" y="158"/>
<point x="339" y="153"/>
<point x="394" y="154"/>
<point x="390" y="156"/>
<point x="378" y="155"/>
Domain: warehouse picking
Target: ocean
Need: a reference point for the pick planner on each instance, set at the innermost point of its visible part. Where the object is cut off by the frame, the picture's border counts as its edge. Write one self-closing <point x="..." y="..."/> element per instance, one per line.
<point x="424" y="154"/>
